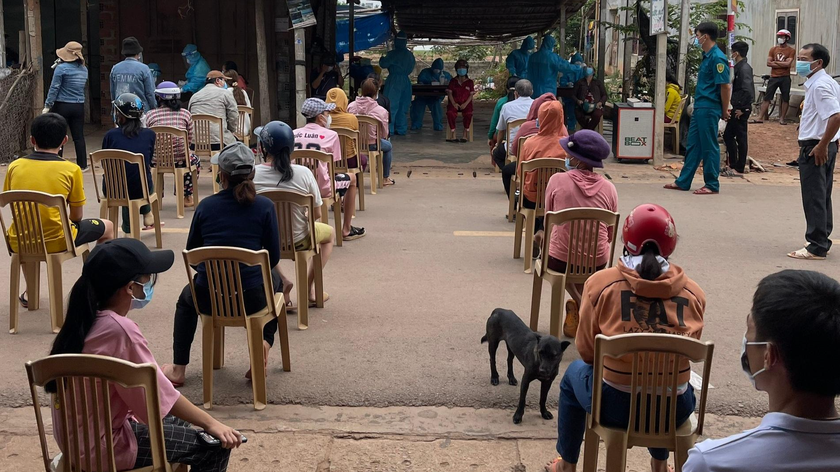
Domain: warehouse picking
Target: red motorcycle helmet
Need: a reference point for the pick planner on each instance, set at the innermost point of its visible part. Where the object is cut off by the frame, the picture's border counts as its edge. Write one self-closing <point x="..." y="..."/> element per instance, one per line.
<point x="649" y="223"/>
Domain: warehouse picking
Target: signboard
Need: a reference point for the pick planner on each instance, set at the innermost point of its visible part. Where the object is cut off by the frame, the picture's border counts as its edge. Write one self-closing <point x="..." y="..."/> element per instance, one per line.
<point x="301" y="13"/>
<point x="658" y="16"/>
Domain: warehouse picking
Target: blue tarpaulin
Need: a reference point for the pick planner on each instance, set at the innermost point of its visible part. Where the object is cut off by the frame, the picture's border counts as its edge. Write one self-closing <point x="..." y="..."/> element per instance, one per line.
<point x="371" y="31"/>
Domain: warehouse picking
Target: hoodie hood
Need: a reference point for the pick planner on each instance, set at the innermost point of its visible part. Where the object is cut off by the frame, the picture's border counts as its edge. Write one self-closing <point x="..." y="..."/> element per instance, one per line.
<point x="673" y="87"/>
<point x="551" y="119"/>
<point x="527" y="44"/>
<point x="363" y="105"/>
<point x="337" y="96"/>
<point x="667" y="285"/>
<point x="548" y="43"/>
<point x="401" y="41"/>
<point x="438" y="64"/>
<point x="535" y="107"/>
<point x="577" y="58"/>
<point x="589" y="183"/>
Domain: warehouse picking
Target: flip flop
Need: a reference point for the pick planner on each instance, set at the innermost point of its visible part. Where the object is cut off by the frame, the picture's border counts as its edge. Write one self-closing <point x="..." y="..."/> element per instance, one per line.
<point x="673" y="187"/>
<point x="783" y="123"/>
<point x="355" y="233"/>
<point x="174" y="383"/>
<point x="290" y="307"/>
<point x="462" y="140"/>
<point x="313" y="303"/>
<point x="451" y="140"/>
<point x="23" y="301"/>
<point x="388" y="182"/>
<point x="553" y="466"/>
<point x="803" y="254"/>
<point x="705" y="191"/>
<point x="151" y="227"/>
<point x="755" y="122"/>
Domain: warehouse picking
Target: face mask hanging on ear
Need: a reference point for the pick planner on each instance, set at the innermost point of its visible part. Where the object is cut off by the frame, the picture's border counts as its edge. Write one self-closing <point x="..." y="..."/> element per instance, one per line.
<point x="745" y="361"/>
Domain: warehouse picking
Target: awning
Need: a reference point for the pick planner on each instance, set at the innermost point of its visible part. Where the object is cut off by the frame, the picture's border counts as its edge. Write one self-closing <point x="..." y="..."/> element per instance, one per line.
<point x="371" y="31"/>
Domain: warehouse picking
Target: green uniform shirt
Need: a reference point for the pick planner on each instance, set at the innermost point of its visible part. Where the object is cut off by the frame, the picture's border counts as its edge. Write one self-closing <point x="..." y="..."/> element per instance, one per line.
<point x="714" y="71"/>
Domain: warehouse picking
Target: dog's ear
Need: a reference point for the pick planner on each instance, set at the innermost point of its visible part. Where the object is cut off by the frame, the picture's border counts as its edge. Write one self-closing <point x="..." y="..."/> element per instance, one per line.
<point x="564" y="345"/>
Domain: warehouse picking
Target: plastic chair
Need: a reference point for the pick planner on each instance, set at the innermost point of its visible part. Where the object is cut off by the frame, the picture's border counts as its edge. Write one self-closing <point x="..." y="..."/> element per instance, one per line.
<point x="28" y="208"/>
<point x="515" y="182"/>
<point x="242" y="133"/>
<point x="167" y="138"/>
<point x="227" y="309"/>
<point x="509" y="126"/>
<point x="310" y="159"/>
<point x="350" y="139"/>
<point x="284" y="201"/>
<point x="84" y="385"/>
<point x="581" y="259"/>
<point x="203" y="142"/>
<point x="115" y="190"/>
<point x="375" y="161"/>
<point x="674" y="125"/>
<point x="656" y="365"/>
<point x="543" y="169"/>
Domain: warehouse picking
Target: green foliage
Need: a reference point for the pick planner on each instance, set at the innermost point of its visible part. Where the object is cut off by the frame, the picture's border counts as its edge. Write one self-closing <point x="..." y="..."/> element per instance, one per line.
<point x="468" y="53"/>
<point x="573" y="26"/>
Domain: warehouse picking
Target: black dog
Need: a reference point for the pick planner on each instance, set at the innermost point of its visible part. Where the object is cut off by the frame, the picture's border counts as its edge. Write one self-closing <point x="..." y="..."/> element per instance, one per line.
<point x="540" y="355"/>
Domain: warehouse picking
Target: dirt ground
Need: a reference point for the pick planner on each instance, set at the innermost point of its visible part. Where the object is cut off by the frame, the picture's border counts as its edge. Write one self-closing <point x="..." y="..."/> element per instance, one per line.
<point x="772" y="143"/>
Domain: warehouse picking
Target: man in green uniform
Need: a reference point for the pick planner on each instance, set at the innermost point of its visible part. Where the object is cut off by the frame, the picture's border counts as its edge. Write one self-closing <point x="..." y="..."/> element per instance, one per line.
<point x="711" y="103"/>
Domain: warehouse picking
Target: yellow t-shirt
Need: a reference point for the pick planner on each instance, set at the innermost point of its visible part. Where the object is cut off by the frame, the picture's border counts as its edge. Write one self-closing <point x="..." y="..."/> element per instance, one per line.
<point x="48" y="173"/>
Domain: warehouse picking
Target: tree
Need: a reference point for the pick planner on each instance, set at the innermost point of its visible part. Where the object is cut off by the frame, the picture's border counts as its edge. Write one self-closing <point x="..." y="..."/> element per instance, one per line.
<point x="468" y="53"/>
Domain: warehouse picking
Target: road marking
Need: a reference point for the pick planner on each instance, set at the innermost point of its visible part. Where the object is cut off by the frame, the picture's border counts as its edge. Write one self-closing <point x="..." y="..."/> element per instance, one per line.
<point x="490" y="234"/>
<point x="173" y="230"/>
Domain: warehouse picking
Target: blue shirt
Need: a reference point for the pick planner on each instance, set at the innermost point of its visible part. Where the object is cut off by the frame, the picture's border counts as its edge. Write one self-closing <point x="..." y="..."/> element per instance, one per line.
<point x="68" y="84"/>
<point x="714" y="71"/>
<point x="220" y="220"/>
<point x="143" y="143"/>
<point x="132" y="76"/>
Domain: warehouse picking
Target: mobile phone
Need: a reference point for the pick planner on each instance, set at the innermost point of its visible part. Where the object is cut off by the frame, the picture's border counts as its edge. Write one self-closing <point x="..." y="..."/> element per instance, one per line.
<point x="209" y="440"/>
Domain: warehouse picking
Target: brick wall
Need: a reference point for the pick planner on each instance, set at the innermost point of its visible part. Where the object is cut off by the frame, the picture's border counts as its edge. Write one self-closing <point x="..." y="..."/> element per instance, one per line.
<point x="109" y="50"/>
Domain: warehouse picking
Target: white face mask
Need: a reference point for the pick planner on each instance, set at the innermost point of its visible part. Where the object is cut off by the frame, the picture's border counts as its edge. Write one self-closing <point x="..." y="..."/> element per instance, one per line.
<point x="745" y="361"/>
<point x="329" y="121"/>
<point x="780" y="41"/>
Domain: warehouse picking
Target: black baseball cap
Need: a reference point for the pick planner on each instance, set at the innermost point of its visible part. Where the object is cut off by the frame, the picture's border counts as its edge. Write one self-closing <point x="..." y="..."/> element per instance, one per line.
<point x="115" y="263"/>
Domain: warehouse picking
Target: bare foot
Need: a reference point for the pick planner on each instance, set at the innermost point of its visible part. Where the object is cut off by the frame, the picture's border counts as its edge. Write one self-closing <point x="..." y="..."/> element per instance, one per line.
<point x="660" y="466"/>
<point x="266" y="348"/>
<point x="175" y="374"/>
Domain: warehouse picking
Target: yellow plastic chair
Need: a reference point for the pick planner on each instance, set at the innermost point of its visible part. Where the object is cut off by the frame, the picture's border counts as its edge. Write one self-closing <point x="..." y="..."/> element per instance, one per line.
<point x="28" y="208"/>
<point x="202" y="124"/>
<point x="656" y="365"/>
<point x="84" y="393"/>
<point x="310" y="159"/>
<point x="674" y="125"/>
<point x="584" y="225"/>
<point x="284" y="203"/>
<point x="246" y="115"/>
<point x="543" y="169"/>
<point x="115" y="190"/>
<point x="167" y="139"/>
<point x="375" y="162"/>
<point x="350" y="139"/>
<point x="509" y="126"/>
<point x="227" y="309"/>
<point x="515" y="182"/>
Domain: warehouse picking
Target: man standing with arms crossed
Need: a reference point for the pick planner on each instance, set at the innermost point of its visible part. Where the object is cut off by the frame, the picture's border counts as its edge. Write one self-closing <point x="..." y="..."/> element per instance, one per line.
<point x="819" y="129"/>
<point x="711" y="103"/>
<point x="779" y="60"/>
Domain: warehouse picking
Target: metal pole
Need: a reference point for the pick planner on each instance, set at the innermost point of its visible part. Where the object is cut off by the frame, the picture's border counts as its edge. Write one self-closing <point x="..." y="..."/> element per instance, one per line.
<point x="563" y="32"/>
<point x="300" y="76"/>
<point x="627" y="69"/>
<point x="262" y="62"/>
<point x="602" y="36"/>
<point x="351" y="30"/>
<point x="685" y="35"/>
<point x="730" y="37"/>
<point x="659" y="121"/>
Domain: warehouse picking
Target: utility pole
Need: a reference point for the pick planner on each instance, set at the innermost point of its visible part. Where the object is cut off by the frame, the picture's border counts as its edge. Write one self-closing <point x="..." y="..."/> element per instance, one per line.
<point x="685" y="35"/>
<point x="659" y="27"/>
<point x="627" y="69"/>
<point x="603" y="9"/>
<point x="262" y="62"/>
<point x="563" y="32"/>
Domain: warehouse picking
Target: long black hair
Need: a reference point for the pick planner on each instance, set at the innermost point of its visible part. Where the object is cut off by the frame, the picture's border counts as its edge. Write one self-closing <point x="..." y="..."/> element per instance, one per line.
<point x="130" y="127"/>
<point x="173" y="104"/>
<point x="511" y="87"/>
<point x="649" y="268"/>
<point x="283" y="165"/>
<point x="82" y="306"/>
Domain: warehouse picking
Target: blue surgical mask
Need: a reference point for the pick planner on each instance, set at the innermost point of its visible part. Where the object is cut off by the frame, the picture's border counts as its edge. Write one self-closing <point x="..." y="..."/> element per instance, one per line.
<point x="696" y="42"/>
<point x="436" y="71"/>
<point x="226" y="86"/>
<point x="803" y="68"/>
<point x="590" y="71"/>
<point x="568" y="163"/>
<point x="462" y="72"/>
<point x="148" y="291"/>
<point x="745" y="362"/>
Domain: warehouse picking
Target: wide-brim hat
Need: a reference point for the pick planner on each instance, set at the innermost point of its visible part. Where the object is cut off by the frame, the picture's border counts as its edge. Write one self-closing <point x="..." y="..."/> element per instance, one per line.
<point x="587" y="146"/>
<point x="71" y="52"/>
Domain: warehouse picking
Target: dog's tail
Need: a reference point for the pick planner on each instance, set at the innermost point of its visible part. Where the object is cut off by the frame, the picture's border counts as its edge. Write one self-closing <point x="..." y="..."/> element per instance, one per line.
<point x="484" y="339"/>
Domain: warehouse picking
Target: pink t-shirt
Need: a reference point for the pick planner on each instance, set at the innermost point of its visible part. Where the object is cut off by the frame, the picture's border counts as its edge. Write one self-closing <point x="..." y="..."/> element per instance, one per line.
<point x="576" y="189"/>
<point x="316" y="137"/>
<point x="117" y="336"/>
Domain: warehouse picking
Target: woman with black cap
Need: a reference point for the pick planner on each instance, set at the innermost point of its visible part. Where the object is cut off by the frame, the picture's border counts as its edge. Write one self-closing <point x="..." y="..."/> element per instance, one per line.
<point x="119" y="276"/>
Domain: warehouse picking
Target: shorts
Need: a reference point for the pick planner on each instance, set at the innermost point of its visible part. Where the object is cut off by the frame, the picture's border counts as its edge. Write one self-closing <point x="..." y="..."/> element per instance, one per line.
<point x="342" y="183"/>
<point x="88" y="231"/>
<point x="780" y="83"/>
<point x="323" y="234"/>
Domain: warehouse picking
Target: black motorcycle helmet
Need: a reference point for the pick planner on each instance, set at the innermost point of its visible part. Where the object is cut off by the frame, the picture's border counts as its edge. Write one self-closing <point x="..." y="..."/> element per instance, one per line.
<point x="275" y="136"/>
<point x="129" y="106"/>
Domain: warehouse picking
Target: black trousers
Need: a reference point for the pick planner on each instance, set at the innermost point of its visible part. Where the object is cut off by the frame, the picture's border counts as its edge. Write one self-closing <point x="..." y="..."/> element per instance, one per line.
<point x="508" y="171"/>
<point x="499" y="155"/>
<point x="735" y="137"/>
<point x="186" y="316"/>
<point x="74" y="113"/>
<point x="816" y="183"/>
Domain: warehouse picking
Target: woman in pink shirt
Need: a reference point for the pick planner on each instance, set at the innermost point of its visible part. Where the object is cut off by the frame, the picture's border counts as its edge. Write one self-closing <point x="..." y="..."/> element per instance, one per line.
<point x="366" y="105"/>
<point x="117" y="276"/>
<point x="579" y="187"/>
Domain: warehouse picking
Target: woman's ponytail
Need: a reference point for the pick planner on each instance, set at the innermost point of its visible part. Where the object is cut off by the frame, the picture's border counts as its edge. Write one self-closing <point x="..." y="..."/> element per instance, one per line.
<point x="649" y="268"/>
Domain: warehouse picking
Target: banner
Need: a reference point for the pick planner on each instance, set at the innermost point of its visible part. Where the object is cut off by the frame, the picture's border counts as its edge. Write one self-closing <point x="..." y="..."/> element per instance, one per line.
<point x="301" y="13"/>
<point x="658" y="17"/>
<point x="371" y="31"/>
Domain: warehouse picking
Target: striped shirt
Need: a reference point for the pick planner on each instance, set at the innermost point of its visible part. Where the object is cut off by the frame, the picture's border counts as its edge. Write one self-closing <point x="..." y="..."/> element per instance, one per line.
<point x="181" y="119"/>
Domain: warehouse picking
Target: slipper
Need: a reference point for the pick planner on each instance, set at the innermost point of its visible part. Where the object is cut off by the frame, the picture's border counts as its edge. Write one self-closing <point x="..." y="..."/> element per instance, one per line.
<point x="804" y="255"/>
<point x="673" y="187"/>
<point x="554" y="465"/>
<point x="462" y="140"/>
<point x="451" y="140"/>
<point x="388" y="182"/>
<point x="174" y="383"/>
<point x="151" y="227"/>
<point x="290" y="307"/>
<point x="755" y="122"/>
<point x="783" y="123"/>
<point x="355" y="233"/>
<point x="23" y="301"/>
<point x="313" y="303"/>
<point x="705" y="191"/>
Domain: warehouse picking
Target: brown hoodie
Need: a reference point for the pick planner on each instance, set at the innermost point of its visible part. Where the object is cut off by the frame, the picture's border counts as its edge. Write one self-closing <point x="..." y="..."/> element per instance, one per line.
<point x="530" y="127"/>
<point x="342" y="118"/>
<point x="617" y="301"/>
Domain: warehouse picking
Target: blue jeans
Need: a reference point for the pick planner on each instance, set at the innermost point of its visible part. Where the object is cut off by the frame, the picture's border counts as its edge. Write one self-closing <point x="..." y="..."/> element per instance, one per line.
<point x="576" y="402"/>
<point x="385" y="147"/>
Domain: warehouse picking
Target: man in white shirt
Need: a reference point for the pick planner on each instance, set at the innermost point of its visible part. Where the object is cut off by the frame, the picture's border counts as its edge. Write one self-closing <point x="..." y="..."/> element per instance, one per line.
<point x="515" y="110"/>
<point x="790" y="352"/>
<point x="215" y="100"/>
<point x="819" y="129"/>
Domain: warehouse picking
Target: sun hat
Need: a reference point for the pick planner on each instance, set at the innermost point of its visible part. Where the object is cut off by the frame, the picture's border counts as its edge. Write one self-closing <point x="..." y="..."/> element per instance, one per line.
<point x="587" y="146"/>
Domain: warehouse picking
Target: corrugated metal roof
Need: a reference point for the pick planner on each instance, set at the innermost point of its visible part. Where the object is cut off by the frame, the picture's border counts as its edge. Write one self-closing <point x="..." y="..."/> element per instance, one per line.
<point x="481" y="19"/>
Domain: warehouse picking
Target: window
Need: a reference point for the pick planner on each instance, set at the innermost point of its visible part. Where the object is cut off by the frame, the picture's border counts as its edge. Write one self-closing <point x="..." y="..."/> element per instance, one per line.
<point x="788" y="19"/>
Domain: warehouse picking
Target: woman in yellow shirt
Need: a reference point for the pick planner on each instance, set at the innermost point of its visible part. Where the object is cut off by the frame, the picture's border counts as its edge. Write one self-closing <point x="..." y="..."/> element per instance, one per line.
<point x="673" y="95"/>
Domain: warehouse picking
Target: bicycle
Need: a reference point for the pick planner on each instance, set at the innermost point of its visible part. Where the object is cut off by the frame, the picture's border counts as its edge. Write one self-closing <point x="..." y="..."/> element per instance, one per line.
<point x="759" y="98"/>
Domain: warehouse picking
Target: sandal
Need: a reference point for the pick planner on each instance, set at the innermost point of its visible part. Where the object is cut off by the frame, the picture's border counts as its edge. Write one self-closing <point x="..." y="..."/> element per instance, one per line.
<point x="462" y="140"/>
<point x="174" y="383"/>
<point x="23" y="301"/>
<point x="355" y="233"/>
<point x="291" y="308"/>
<point x="152" y="226"/>
<point x="451" y="140"/>
<point x="674" y="187"/>
<point x="388" y="182"/>
<point x="313" y="303"/>
<point x="554" y="465"/>
<point x="755" y="122"/>
<point x="804" y="255"/>
<point x="705" y="191"/>
<point x="783" y="123"/>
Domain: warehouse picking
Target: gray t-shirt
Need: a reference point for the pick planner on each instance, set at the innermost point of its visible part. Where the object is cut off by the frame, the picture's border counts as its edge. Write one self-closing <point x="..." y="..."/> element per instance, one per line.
<point x="302" y="181"/>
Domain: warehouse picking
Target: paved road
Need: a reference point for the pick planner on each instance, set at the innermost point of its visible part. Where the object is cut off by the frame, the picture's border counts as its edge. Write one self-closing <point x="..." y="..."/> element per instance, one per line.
<point x="410" y="300"/>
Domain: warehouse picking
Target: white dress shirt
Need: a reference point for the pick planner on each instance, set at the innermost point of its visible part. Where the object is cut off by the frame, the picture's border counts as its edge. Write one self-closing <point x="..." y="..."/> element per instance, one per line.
<point x="780" y="442"/>
<point x="822" y="100"/>
<point x="515" y="110"/>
